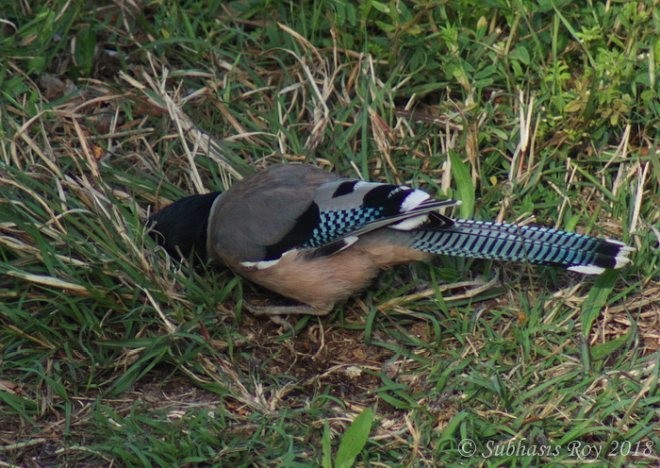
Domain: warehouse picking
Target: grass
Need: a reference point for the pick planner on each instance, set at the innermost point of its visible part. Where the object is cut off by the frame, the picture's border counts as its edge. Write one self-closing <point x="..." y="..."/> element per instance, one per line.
<point x="112" y="353"/>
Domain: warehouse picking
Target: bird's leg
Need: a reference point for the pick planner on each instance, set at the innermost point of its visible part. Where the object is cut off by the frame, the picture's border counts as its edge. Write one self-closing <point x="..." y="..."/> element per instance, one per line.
<point x="274" y="313"/>
<point x="273" y="310"/>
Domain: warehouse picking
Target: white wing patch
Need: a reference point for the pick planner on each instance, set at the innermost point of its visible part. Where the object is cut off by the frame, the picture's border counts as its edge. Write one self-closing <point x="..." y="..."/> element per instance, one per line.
<point x="414" y="199"/>
<point x="348" y="241"/>
<point x="264" y="264"/>
<point x="410" y="223"/>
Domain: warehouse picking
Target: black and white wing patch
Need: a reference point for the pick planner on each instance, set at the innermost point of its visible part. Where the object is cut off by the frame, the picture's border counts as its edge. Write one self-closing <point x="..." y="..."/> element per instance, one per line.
<point x="343" y="210"/>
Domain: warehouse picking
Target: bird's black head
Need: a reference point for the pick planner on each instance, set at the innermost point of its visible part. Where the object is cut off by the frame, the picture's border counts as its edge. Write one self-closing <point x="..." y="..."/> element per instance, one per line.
<point x="181" y="227"/>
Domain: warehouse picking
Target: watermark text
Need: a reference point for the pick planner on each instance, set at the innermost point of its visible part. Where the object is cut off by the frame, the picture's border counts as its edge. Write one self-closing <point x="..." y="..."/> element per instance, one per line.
<point x="579" y="450"/>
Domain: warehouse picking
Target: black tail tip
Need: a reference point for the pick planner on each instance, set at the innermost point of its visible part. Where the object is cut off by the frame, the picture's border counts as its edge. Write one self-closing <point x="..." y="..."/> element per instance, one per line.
<point x="610" y="254"/>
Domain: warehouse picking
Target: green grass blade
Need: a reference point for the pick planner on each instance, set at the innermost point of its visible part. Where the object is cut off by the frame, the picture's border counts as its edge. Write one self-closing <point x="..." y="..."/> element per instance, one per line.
<point x="354" y="439"/>
<point x="596" y="300"/>
<point x="326" y="446"/>
<point x="464" y="185"/>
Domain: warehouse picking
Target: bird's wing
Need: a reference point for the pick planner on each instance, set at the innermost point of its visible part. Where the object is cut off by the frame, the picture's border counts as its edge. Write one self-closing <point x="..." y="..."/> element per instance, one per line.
<point x="321" y="217"/>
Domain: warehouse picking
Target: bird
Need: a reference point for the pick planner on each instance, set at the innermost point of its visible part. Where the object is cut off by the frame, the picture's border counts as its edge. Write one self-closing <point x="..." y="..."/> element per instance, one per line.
<point x="318" y="238"/>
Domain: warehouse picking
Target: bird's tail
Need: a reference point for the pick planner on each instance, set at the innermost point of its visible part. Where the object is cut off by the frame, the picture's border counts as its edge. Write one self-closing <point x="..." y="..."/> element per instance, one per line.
<point x="539" y="245"/>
